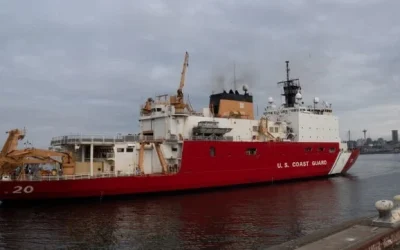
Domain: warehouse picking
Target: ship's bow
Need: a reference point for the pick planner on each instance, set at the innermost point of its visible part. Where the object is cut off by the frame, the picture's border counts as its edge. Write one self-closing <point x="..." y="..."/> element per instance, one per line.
<point x="352" y="159"/>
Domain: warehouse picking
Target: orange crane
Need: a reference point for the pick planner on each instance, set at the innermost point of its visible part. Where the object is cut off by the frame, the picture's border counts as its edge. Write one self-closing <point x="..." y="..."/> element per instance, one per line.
<point x="11" y="143"/>
<point x="9" y="164"/>
<point x="183" y="76"/>
<point x="177" y="100"/>
<point x="34" y="155"/>
<point x="11" y="157"/>
<point x="146" y="109"/>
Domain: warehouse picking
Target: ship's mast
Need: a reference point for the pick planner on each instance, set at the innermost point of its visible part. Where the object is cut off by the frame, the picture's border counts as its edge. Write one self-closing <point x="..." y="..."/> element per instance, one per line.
<point x="234" y="77"/>
<point x="287" y="71"/>
<point x="290" y="88"/>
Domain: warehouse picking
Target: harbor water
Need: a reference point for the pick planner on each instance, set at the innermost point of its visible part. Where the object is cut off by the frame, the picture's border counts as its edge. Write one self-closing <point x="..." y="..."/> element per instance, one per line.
<point x="253" y="217"/>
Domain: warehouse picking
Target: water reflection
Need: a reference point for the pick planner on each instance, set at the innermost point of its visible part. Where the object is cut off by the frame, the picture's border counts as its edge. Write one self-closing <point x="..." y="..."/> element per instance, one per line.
<point x="49" y="226"/>
<point x="236" y="218"/>
<point x="239" y="218"/>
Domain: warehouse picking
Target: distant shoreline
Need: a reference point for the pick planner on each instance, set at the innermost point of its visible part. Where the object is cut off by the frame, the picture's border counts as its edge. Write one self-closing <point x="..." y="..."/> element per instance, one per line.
<point x="371" y="153"/>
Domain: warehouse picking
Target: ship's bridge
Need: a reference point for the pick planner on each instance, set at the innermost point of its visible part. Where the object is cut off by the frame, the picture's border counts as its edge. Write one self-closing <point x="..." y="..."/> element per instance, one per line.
<point x="308" y="123"/>
<point x="310" y="110"/>
<point x="317" y="108"/>
<point x="158" y="109"/>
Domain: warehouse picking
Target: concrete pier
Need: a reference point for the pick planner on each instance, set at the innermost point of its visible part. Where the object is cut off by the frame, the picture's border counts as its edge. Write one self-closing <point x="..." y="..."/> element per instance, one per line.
<point x="373" y="233"/>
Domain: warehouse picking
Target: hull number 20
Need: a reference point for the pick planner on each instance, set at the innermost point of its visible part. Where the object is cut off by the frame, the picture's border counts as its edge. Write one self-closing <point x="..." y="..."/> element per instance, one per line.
<point x="23" y="190"/>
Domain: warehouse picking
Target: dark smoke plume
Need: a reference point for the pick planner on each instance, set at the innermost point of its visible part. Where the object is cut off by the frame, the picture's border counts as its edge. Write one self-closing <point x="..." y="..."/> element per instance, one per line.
<point x="228" y="76"/>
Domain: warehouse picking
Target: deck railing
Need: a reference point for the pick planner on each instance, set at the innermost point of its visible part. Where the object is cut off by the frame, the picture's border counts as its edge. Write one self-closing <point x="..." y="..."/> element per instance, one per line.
<point x="30" y="177"/>
<point x="80" y="139"/>
<point x="84" y="176"/>
<point x="209" y="138"/>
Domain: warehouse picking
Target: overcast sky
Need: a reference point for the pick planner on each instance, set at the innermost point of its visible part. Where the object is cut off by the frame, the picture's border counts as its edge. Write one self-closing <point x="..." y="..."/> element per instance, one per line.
<point x="86" y="66"/>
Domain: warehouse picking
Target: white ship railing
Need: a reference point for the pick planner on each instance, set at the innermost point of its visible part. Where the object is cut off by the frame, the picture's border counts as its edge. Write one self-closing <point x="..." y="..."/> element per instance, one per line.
<point x="84" y="176"/>
<point x="93" y="139"/>
<point x="74" y="177"/>
<point x="209" y="138"/>
<point x="80" y="139"/>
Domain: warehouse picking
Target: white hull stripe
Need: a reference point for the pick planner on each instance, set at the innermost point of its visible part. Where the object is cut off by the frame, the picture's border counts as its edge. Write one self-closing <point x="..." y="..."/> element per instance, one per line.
<point x="340" y="162"/>
<point x="334" y="164"/>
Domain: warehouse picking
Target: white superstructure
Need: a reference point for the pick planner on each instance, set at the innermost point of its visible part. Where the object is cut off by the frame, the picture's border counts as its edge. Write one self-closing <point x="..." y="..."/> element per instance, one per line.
<point x="166" y="127"/>
<point x="166" y="123"/>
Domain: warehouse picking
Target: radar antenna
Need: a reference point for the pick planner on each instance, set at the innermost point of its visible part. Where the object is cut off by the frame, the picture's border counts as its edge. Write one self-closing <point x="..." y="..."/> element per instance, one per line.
<point x="245" y="88"/>
<point x="234" y="76"/>
<point x="287" y="71"/>
<point x="290" y="88"/>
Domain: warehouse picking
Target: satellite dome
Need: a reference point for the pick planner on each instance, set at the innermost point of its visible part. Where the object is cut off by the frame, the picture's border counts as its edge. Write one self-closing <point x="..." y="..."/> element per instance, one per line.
<point x="298" y="96"/>
<point x="245" y="87"/>
<point x="316" y="100"/>
<point x="270" y="99"/>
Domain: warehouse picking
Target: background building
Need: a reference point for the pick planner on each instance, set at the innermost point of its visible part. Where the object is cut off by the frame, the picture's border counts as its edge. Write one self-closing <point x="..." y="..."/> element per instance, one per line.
<point x="395" y="136"/>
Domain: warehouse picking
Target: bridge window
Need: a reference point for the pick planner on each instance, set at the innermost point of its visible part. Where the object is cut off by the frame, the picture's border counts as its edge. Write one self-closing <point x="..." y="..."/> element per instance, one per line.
<point x="251" y="151"/>
<point x="212" y="151"/>
<point x="320" y="149"/>
<point x="308" y="149"/>
<point x="120" y="150"/>
<point x="129" y="149"/>
<point x="332" y="150"/>
<point x="276" y="129"/>
<point x="174" y="149"/>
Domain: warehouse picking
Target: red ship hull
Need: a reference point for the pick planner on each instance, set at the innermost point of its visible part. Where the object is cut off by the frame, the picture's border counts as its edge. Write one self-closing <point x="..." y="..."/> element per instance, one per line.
<point x="230" y="165"/>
